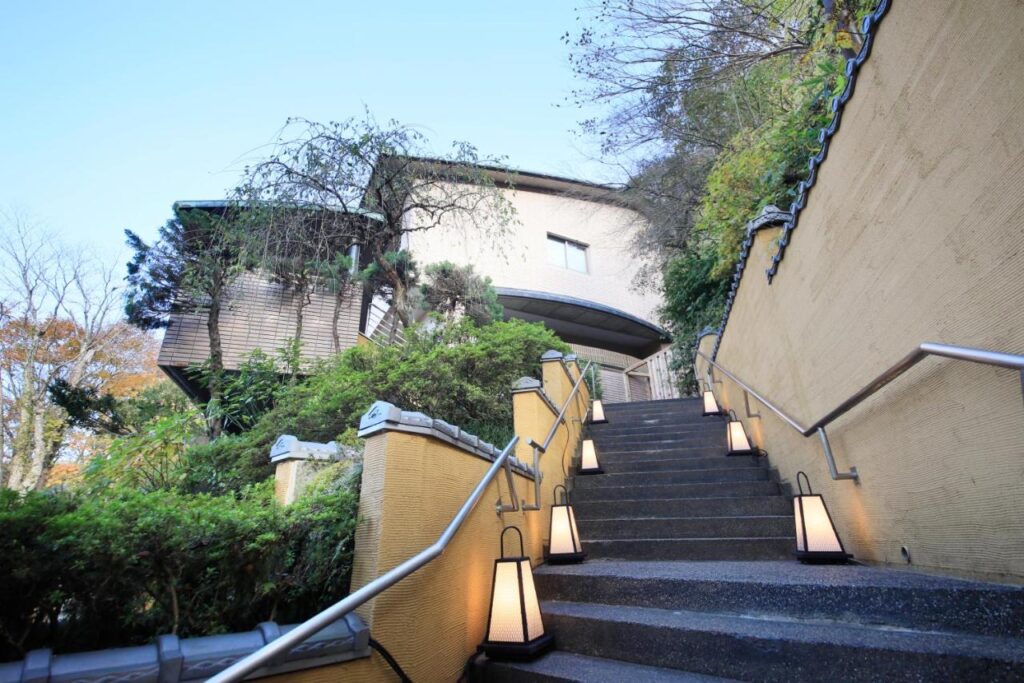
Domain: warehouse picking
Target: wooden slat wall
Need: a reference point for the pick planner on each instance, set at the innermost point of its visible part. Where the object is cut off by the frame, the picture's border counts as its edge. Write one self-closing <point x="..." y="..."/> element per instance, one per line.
<point x="261" y="314"/>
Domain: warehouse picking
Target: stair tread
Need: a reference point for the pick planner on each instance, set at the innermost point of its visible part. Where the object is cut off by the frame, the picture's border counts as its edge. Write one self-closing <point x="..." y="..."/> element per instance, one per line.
<point x="778" y="572"/>
<point x="568" y="666"/>
<point x="731" y="539"/>
<point x="662" y="518"/>
<point x="809" y="631"/>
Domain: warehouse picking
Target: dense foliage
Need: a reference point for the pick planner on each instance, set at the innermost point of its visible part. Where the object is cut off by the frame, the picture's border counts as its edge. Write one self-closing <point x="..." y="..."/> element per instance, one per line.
<point x="85" y="570"/>
<point x="167" y="534"/>
<point x="476" y="367"/>
<point x="717" y="105"/>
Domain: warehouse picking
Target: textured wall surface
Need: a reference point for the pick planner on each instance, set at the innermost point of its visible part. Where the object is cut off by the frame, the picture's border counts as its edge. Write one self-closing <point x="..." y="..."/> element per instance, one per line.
<point x="261" y="314"/>
<point x="914" y="232"/>
<point x="412" y="487"/>
<point x="605" y="229"/>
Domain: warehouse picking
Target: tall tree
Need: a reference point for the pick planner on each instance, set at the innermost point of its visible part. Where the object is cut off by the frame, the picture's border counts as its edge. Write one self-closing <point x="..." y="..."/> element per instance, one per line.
<point x="381" y="172"/>
<point x="190" y="268"/>
<point x="456" y="291"/>
<point x="57" y="326"/>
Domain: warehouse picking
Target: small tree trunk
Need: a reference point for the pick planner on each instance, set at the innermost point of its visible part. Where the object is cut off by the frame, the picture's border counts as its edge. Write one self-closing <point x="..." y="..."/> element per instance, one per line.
<point x="339" y="298"/>
<point x="215" y="381"/>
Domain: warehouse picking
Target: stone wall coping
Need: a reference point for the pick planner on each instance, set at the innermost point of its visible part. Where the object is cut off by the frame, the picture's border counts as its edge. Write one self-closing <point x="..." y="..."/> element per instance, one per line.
<point x="552" y="356"/>
<point x="527" y="385"/>
<point x="171" y="659"/>
<point x="387" y="417"/>
<point x="288" y="447"/>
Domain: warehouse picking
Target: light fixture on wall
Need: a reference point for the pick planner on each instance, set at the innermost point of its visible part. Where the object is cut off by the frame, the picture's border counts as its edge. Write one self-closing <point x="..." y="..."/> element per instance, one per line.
<point x="589" y="464"/>
<point x="738" y="442"/>
<point x="817" y="541"/>
<point x="515" y="629"/>
<point x="597" y="413"/>
<point x="710" y="404"/>
<point x="563" y="538"/>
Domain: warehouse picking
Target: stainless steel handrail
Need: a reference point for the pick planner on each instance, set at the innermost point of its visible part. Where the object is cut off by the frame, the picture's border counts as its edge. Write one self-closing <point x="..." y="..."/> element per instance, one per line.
<point x="338" y="610"/>
<point x="965" y="353"/>
<point x="539" y="448"/>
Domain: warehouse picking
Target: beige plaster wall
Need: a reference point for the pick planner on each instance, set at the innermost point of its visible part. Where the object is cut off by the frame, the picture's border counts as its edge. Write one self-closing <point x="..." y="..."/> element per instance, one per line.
<point x="412" y="486"/>
<point x="914" y="232"/>
<point x="606" y="229"/>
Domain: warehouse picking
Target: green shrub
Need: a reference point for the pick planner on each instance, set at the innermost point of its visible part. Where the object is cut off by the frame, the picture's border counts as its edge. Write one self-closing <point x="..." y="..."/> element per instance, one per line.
<point x="461" y="373"/>
<point x="85" y="571"/>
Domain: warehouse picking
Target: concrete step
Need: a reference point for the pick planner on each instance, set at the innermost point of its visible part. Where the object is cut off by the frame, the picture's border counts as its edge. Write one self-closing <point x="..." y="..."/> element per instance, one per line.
<point x="686" y="527"/>
<point x="699" y="490"/>
<point x="572" y="668"/>
<point x="663" y="477"/>
<point x="687" y="402"/>
<point x="655" y="423"/>
<point x="690" y="437"/>
<point x="699" y="549"/>
<point x="688" y="411"/>
<point x="620" y="443"/>
<point x="618" y="464"/>
<point x="642" y="451"/>
<point x="682" y="507"/>
<point x="787" y="650"/>
<point x="847" y="593"/>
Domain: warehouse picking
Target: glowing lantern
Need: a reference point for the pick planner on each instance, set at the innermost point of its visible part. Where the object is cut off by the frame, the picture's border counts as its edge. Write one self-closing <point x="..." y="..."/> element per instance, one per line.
<point x="738" y="443"/>
<point x="589" y="463"/>
<point x="597" y="413"/>
<point x="710" y="404"/>
<point x="817" y="540"/>
<point x="564" y="540"/>
<point x="515" y="629"/>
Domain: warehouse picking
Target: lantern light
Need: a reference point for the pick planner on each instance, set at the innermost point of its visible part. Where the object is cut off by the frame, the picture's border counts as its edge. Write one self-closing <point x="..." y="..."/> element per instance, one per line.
<point x="817" y="541"/>
<point x="710" y="404"/>
<point x="515" y="629"/>
<point x="597" y="413"/>
<point x="738" y="443"/>
<point x="563" y="539"/>
<point x="589" y="463"/>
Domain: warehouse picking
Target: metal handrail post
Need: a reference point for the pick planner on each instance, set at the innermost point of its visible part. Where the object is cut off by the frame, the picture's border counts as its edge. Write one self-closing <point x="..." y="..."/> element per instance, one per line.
<point x="541" y="449"/>
<point x="340" y="609"/>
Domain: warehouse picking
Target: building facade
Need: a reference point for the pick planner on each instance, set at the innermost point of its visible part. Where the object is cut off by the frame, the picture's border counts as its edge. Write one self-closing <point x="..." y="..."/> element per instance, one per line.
<point x="565" y="262"/>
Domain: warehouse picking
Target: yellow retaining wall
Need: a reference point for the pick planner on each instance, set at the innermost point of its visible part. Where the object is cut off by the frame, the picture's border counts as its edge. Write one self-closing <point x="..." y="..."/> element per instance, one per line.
<point x="914" y="232"/>
<point x="412" y="486"/>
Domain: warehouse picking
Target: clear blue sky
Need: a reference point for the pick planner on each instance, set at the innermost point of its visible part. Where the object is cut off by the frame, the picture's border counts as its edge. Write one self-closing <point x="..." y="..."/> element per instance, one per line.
<point x="111" y="111"/>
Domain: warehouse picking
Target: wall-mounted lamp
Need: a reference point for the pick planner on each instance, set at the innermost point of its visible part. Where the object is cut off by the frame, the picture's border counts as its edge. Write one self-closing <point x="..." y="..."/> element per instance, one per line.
<point x="589" y="463"/>
<point x="597" y="413"/>
<point x="515" y="629"/>
<point x="710" y="404"/>
<point x="738" y="442"/>
<point x="817" y="541"/>
<point x="564" y="540"/>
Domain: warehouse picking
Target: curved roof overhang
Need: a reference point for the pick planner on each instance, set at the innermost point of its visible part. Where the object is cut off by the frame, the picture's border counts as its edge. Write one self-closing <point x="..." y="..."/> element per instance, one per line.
<point x="584" y="322"/>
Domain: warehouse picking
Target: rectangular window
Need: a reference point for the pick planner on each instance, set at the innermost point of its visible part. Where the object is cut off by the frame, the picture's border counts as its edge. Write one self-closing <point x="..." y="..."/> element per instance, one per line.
<point x="567" y="254"/>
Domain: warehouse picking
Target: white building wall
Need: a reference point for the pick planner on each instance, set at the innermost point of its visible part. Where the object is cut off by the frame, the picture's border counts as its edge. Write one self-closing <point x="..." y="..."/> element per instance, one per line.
<point x="519" y="259"/>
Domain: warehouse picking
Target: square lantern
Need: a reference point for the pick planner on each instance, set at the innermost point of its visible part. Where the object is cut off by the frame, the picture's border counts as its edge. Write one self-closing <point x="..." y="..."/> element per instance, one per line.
<point x="564" y="540"/>
<point x="589" y="463"/>
<point x="736" y="436"/>
<point x="710" y="404"/>
<point x="817" y="541"/>
<point x="515" y="629"/>
<point x="597" y="413"/>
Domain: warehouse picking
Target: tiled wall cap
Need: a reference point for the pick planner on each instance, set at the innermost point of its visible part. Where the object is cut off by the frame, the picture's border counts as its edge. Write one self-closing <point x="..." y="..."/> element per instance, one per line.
<point x="571" y="357"/>
<point x="551" y="355"/>
<point x="287" y="447"/>
<point x="445" y="428"/>
<point x="380" y="412"/>
<point x="526" y="383"/>
<point x="174" y="660"/>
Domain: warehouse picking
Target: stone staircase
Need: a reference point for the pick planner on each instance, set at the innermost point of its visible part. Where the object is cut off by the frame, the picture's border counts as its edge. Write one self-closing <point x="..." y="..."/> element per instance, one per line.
<point x="690" y="577"/>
